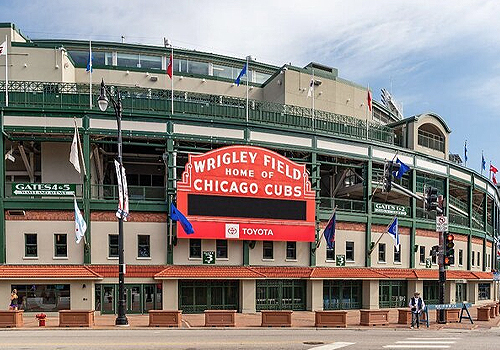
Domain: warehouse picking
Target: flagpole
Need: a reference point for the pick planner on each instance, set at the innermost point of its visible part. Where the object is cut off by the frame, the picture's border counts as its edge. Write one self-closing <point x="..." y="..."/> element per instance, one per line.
<point x="313" y="93"/>
<point x="318" y="242"/>
<point x="383" y="233"/>
<point x="489" y="176"/>
<point x="366" y="111"/>
<point x="90" y="75"/>
<point x="482" y="159"/>
<point x="247" y="74"/>
<point x="6" y="73"/>
<point x="172" y="81"/>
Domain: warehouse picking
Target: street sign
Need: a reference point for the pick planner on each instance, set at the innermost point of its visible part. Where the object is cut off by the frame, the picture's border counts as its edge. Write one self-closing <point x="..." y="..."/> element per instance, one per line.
<point x="428" y="263"/>
<point x="389" y="209"/>
<point x="441" y="223"/>
<point x="340" y="261"/>
<point x="43" y="189"/>
<point x="209" y="257"/>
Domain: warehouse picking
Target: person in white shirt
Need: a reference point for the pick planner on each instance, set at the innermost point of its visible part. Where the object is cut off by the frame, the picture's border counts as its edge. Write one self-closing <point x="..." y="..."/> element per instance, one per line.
<point x="416" y="305"/>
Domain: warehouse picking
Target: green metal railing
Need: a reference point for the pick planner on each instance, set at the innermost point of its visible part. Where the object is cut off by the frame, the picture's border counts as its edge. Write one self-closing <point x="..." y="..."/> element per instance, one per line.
<point x="76" y="96"/>
<point x="135" y="193"/>
<point x="349" y="205"/>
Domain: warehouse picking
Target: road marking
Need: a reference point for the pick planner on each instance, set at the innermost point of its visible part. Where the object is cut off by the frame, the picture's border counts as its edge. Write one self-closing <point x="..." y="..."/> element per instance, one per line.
<point x="422" y="343"/>
<point x="440" y="342"/>
<point x="432" y="338"/>
<point x="336" y="345"/>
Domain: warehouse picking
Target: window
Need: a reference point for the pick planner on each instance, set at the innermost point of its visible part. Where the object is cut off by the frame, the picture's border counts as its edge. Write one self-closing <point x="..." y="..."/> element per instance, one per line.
<point x="392" y="293"/>
<point x="381" y="252"/>
<point x="484" y="291"/>
<point x="143" y="246"/>
<point x="291" y="250"/>
<point x="342" y="295"/>
<point x="267" y="250"/>
<point x="113" y="246"/>
<point x="460" y="292"/>
<point x="221" y="248"/>
<point x="349" y="251"/>
<point x="434" y="258"/>
<point x="61" y="245"/>
<point x="478" y="258"/>
<point x="330" y="254"/>
<point x="30" y="245"/>
<point x="460" y="257"/>
<point x="43" y="297"/>
<point x="472" y="255"/>
<point x="422" y="254"/>
<point x="397" y="254"/>
<point x="195" y="248"/>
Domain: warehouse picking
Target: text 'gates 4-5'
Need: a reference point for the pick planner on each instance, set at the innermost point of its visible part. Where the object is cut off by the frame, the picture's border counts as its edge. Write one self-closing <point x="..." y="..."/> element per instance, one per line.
<point x="247" y="193"/>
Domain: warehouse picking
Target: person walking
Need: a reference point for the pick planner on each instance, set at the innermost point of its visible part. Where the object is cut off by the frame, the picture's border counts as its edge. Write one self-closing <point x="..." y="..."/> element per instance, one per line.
<point x="13" y="300"/>
<point x="416" y="305"/>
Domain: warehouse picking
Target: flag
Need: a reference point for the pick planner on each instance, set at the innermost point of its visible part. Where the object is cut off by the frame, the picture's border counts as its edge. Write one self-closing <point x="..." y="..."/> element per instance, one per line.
<point x="242" y="73"/>
<point x="170" y="66"/>
<point x="123" y="205"/>
<point x="393" y="232"/>
<point x="369" y="99"/>
<point x="73" y="155"/>
<point x="176" y="215"/>
<point x="403" y="168"/>
<point x="3" y="48"/>
<point x="493" y="169"/>
<point x="483" y="163"/>
<point x="311" y="88"/>
<point x="80" y="225"/>
<point x="329" y="232"/>
<point x="89" y="63"/>
<point x="465" y="152"/>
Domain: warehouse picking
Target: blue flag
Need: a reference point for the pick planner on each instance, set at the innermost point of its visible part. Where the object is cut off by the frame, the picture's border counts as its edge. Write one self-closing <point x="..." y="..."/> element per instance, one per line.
<point x="465" y="151"/>
<point x="483" y="163"/>
<point x="90" y="63"/>
<point x="403" y="168"/>
<point x="242" y="73"/>
<point x="176" y="215"/>
<point x="393" y="232"/>
<point x="329" y="232"/>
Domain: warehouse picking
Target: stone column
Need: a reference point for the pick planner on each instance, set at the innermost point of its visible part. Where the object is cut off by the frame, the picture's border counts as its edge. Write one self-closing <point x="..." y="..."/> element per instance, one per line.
<point x="247" y="296"/>
<point x="370" y="294"/>
<point x="170" y="295"/>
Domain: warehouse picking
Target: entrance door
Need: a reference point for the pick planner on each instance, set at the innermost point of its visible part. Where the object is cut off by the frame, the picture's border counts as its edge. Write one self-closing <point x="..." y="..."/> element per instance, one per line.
<point x="133" y="295"/>
<point x="108" y="297"/>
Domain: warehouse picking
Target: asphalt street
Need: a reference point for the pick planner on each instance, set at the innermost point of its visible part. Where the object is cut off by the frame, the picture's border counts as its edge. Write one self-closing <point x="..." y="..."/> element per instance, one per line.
<point x="269" y="339"/>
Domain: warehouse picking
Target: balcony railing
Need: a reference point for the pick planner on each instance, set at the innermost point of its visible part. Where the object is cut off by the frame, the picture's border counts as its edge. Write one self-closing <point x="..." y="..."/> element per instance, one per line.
<point x="349" y="205"/>
<point x="135" y="193"/>
<point x="76" y="96"/>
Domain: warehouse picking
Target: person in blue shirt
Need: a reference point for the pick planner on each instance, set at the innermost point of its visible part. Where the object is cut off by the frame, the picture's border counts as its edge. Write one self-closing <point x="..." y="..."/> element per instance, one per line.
<point x="416" y="305"/>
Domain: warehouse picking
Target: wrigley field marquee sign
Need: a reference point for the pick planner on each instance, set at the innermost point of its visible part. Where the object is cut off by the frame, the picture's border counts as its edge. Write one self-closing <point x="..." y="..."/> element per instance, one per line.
<point x="33" y="189"/>
<point x="246" y="193"/>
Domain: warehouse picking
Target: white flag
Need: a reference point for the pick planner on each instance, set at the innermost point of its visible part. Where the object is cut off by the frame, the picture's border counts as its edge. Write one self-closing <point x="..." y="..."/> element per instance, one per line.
<point x="311" y="88"/>
<point x="80" y="225"/>
<point x="73" y="156"/>
<point x="123" y="205"/>
<point x="3" y="48"/>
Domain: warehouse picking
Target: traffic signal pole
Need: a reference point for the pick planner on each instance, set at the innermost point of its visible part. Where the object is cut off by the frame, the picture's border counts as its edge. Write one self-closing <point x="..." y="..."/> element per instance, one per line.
<point x="442" y="274"/>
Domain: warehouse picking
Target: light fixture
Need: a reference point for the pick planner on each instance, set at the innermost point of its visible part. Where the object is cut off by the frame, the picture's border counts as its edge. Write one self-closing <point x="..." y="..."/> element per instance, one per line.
<point x="102" y="101"/>
<point x="84" y="286"/>
<point x="127" y="72"/>
<point x="9" y="155"/>
<point x="204" y="80"/>
<point x="153" y="78"/>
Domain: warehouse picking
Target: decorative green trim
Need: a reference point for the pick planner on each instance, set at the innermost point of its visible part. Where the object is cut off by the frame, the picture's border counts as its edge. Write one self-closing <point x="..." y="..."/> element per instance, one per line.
<point x="86" y="190"/>
<point x="3" y="233"/>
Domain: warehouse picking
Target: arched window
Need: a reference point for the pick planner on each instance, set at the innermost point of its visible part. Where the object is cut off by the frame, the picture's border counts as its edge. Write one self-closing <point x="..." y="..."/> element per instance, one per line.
<point x="431" y="137"/>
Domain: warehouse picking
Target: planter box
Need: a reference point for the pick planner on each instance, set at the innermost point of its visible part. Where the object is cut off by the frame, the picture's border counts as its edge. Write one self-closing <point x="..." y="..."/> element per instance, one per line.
<point x="281" y="318"/>
<point x="164" y="318"/>
<point x="76" y="318"/>
<point x="450" y="315"/>
<point x="483" y="313"/>
<point x="330" y="319"/>
<point x="404" y="316"/>
<point x="220" y="318"/>
<point x="373" y="317"/>
<point x="11" y="318"/>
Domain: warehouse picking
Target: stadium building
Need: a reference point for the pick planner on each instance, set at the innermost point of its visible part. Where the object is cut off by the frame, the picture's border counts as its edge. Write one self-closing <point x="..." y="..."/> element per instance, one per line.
<point x="258" y="168"/>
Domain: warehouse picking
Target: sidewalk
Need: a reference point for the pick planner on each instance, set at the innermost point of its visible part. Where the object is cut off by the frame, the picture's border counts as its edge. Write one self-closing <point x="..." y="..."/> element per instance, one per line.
<point x="299" y="319"/>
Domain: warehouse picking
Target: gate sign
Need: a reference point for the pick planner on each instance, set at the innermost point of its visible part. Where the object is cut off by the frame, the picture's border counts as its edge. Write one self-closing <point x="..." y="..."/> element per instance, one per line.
<point x="43" y="189"/>
<point x="441" y="223"/>
<point x="246" y="193"/>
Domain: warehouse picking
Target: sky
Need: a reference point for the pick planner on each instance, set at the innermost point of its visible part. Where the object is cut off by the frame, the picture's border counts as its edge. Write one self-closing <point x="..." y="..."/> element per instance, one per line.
<point x="433" y="56"/>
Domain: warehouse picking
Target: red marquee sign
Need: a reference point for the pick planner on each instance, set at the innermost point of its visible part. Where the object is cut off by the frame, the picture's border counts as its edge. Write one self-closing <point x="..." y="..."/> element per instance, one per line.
<point x="246" y="193"/>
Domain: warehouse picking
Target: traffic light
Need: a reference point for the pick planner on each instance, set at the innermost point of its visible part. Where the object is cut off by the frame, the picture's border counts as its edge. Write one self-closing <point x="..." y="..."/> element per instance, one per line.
<point x="431" y="198"/>
<point x="449" y="249"/>
<point x="389" y="169"/>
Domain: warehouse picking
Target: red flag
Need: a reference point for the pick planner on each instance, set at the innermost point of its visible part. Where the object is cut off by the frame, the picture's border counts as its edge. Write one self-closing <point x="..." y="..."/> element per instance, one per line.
<point x="369" y="98"/>
<point x="493" y="169"/>
<point x="170" y="66"/>
<point x="494" y="179"/>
